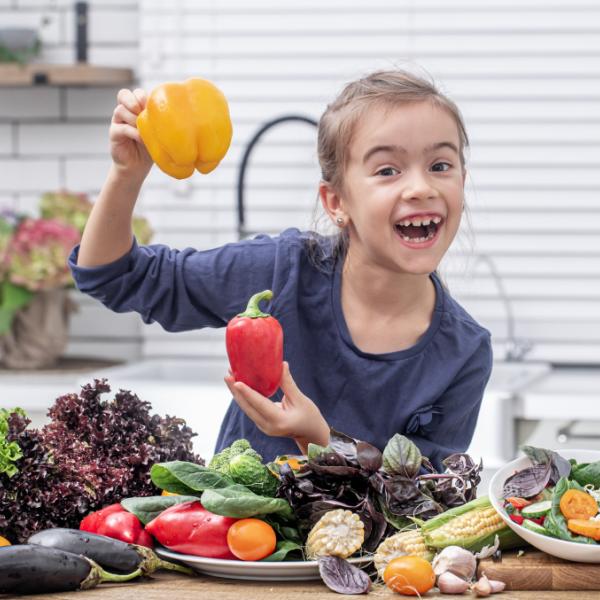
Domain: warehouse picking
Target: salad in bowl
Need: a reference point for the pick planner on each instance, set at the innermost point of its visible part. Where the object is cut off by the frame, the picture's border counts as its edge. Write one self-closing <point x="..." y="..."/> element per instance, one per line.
<point x="552" y="500"/>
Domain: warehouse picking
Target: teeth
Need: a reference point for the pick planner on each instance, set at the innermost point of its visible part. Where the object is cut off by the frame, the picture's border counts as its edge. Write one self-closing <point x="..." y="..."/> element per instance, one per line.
<point x="417" y="221"/>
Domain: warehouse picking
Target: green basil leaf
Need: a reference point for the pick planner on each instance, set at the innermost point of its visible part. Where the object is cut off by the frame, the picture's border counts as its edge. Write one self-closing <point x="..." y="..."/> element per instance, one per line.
<point x="555" y="521"/>
<point x="586" y="474"/>
<point x="282" y="549"/>
<point x="180" y="477"/>
<point x="401" y="457"/>
<point x="149" y="507"/>
<point x="239" y="502"/>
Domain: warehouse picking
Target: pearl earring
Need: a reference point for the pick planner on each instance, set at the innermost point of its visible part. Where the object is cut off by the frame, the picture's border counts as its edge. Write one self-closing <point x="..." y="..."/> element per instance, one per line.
<point x="339" y="220"/>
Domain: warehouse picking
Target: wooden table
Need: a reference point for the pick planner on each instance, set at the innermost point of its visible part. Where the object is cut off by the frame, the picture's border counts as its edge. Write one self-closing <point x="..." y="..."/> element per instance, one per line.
<point x="171" y="586"/>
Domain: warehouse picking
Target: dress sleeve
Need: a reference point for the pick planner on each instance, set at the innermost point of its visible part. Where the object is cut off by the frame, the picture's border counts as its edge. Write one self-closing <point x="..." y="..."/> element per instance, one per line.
<point x="448" y="426"/>
<point x="185" y="289"/>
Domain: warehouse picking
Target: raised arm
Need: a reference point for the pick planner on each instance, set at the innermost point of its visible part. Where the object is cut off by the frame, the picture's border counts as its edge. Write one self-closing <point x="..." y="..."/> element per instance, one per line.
<point x="108" y="234"/>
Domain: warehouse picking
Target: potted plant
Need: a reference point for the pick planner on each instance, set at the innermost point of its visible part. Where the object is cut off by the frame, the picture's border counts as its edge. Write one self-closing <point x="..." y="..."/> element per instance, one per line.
<point x="35" y="278"/>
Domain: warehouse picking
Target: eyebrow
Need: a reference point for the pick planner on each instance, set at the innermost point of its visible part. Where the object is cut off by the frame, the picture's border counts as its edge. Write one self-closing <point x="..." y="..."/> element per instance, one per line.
<point x="401" y="150"/>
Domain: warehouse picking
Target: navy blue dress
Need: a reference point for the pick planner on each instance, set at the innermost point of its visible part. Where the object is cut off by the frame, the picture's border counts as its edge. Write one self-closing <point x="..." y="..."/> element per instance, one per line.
<point x="430" y="392"/>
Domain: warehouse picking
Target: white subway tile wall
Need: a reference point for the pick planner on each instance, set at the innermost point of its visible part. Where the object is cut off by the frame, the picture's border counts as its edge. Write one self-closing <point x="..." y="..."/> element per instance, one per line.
<point x="525" y="75"/>
<point x="53" y="138"/>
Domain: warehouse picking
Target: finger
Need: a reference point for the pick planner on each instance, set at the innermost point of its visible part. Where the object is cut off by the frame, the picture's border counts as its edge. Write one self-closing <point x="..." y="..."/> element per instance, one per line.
<point x="129" y="100"/>
<point x="288" y="385"/>
<point x="248" y="409"/>
<point x="270" y="412"/>
<point x="141" y="97"/>
<point x="122" y="114"/>
<point x="120" y="130"/>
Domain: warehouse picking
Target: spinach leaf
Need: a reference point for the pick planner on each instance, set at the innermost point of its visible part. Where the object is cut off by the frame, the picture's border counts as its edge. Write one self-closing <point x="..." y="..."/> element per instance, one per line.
<point x="239" y="502"/>
<point x="555" y="521"/>
<point x="587" y="473"/>
<point x="283" y="530"/>
<point x="148" y="507"/>
<point x="180" y="477"/>
<point x="282" y="549"/>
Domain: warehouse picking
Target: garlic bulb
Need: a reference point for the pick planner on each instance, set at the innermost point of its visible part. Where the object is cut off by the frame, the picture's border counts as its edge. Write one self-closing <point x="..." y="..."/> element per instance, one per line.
<point x="457" y="560"/>
<point x="449" y="583"/>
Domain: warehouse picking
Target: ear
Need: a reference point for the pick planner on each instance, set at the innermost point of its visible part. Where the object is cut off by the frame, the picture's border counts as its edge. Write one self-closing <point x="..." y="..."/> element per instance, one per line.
<point x="331" y="200"/>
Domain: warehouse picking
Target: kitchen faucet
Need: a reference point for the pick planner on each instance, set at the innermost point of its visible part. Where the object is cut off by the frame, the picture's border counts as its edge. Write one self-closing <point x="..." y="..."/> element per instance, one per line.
<point x="516" y="349"/>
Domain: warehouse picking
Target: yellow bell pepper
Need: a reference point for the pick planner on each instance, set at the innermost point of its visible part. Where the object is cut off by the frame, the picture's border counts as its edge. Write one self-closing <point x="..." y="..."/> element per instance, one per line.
<point x="186" y="126"/>
<point x="4" y="541"/>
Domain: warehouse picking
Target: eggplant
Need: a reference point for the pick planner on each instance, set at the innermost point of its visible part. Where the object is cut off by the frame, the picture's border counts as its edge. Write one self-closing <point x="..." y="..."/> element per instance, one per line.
<point x="31" y="569"/>
<point x="114" y="555"/>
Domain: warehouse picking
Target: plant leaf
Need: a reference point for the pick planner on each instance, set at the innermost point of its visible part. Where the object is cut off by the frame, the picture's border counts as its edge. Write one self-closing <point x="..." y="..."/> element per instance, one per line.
<point x="146" y="508"/>
<point x="282" y="549"/>
<point x="180" y="477"/>
<point x="343" y="577"/>
<point x="588" y="473"/>
<point x="239" y="502"/>
<point x="528" y="482"/>
<point x="369" y="458"/>
<point x="401" y="457"/>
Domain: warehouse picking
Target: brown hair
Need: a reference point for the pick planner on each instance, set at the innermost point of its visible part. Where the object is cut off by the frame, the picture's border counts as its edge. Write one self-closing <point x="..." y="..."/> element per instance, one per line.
<point x="338" y="123"/>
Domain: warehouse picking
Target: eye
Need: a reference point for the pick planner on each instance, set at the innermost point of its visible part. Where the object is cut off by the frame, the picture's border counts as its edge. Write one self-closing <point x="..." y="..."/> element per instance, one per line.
<point x="387" y="171"/>
<point x="440" y="167"/>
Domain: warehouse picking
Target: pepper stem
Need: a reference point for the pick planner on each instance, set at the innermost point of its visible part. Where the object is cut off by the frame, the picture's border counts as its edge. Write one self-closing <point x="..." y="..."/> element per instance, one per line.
<point x="252" y="310"/>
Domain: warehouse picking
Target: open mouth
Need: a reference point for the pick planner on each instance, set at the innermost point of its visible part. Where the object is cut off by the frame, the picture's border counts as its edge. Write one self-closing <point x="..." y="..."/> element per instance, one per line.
<point x="418" y="230"/>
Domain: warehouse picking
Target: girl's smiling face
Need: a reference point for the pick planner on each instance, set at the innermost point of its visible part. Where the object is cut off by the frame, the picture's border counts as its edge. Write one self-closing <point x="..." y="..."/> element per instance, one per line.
<point x="403" y="186"/>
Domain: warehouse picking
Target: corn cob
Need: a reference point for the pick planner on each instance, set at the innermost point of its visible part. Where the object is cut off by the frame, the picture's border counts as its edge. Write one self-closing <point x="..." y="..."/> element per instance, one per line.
<point x="472" y="526"/>
<point x="401" y="544"/>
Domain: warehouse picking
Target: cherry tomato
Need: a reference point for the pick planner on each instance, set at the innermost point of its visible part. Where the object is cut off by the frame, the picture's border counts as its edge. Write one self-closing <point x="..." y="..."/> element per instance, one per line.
<point x="409" y="575"/>
<point x="251" y="539"/>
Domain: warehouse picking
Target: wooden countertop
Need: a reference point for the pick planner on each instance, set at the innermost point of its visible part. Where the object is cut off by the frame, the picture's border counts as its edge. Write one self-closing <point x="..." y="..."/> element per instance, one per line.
<point x="171" y="586"/>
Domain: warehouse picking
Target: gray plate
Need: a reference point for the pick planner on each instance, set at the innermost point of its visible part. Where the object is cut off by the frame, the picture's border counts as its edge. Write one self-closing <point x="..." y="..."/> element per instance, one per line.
<point x="251" y="570"/>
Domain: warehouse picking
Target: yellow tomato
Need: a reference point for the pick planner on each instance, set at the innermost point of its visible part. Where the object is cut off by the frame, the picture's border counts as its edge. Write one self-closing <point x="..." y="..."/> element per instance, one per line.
<point x="409" y="575"/>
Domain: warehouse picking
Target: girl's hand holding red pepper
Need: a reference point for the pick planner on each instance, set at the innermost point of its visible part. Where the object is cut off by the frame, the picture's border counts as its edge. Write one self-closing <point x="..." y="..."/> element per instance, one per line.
<point x="296" y="416"/>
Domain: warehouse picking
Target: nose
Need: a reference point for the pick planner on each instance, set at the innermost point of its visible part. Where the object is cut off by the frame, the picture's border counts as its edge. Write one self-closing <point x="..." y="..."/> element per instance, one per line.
<point x="417" y="186"/>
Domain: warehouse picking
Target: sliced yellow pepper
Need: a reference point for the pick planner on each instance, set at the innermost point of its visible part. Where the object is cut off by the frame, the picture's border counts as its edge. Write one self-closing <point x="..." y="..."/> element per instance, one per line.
<point x="186" y="126"/>
<point x="4" y="541"/>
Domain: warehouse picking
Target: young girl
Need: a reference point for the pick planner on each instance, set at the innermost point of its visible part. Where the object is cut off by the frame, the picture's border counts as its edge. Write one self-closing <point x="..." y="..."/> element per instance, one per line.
<point x="376" y="344"/>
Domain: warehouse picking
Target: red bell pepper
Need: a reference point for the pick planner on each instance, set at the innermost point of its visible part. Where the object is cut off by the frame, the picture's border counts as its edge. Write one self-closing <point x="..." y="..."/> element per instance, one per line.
<point x="190" y="529"/>
<point x="254" y="342"/>
<point x="115" y="522"/>
<point x="518" y="519"/>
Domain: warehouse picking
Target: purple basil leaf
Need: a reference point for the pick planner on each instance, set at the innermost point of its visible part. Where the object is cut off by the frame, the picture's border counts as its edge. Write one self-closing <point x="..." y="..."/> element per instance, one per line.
<point x="527" y="482"/>
<point x="402" y="489"/>
<point x="369" y="458"/>
<point x="561" y="467"/>
<point x="343" y="444"/>
<point x="401" y="456"/>
<point x="343" y="577"/>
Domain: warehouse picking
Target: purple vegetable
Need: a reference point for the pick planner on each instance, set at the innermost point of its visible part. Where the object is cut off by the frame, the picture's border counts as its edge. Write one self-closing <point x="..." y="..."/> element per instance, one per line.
<point x="343" y="577"/>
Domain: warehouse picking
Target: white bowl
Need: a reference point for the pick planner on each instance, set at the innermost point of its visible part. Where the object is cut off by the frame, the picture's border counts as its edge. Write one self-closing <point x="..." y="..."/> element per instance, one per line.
<point x="562" y="548"/>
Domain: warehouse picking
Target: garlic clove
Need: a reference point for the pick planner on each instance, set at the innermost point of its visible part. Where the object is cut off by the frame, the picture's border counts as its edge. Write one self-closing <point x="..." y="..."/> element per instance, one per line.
<point x="497" y="586"/>
<point x="482" y="588"/>
<point x="449" y="583"/>
<point x="457" y="560"/>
